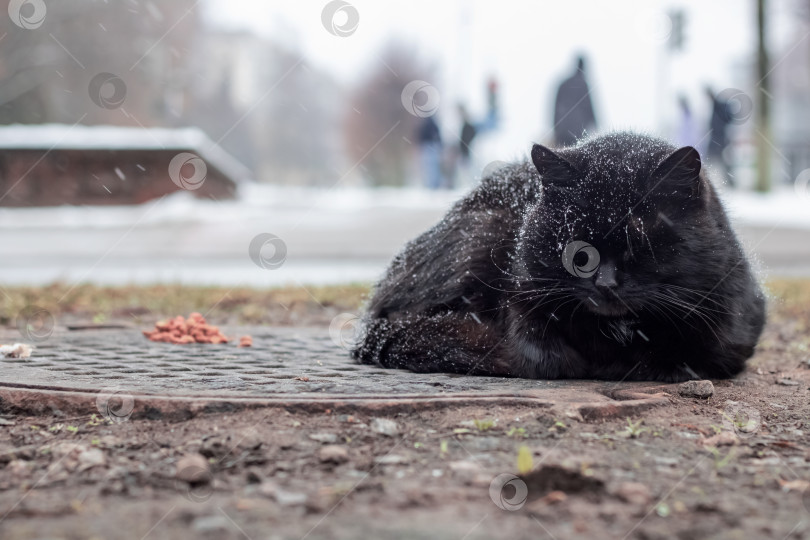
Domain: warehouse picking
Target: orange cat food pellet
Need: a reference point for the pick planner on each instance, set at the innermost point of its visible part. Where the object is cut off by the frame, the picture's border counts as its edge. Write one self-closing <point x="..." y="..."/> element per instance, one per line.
<point x="180" y="330"/>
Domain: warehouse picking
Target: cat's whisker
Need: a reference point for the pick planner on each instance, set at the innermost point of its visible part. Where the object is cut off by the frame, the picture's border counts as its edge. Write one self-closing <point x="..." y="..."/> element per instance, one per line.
<point x="696" y="307"/>
<point x="680" y="320"/>
<point x="504" y="290"/>
<point x="703" y="317"/>
<point x="668" y="314"/>
<point x="512" y="275"/>
<point x="674" y="289"/>
<point x="705" y="295"/>
<point x="538" y="279"/>
<point x="678" y="302"/>
<point x="553" y="316"/>
<point x="546" y="297"/>
<point x="579" y="305"/>
<point x="529" y="295"/>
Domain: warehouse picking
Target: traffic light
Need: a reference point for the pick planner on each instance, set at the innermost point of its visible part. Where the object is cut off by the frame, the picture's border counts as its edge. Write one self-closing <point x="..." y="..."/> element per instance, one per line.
<point x="677" y="36"/>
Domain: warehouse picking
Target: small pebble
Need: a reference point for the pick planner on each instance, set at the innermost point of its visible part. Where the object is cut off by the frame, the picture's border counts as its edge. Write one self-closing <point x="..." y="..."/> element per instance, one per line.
<point x="464" y="466"/>
<point x="724" y="438"/>
<point x="208" y="524"/>
<point x="193" y="468"/>
<point x="390" y="459"/>
<point x="384" y="426"/>
<point x="329" y="438"/>
<point x="91" y="457"/>
<point x="554" y="497"/>
<point x="634" y="493"/>
<point x="290" y="498"/>
<point x="333" y="454"/>
<point x="696" y="389"/>
<point x="253" y="476"/>
<point x="787" y="382"/>
<point x="18" y="468"/>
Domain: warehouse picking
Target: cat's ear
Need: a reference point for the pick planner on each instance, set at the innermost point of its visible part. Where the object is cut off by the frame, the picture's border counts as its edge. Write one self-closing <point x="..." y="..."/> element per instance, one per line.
<point x="553" y="168"/>
<point x="680" y="170"/>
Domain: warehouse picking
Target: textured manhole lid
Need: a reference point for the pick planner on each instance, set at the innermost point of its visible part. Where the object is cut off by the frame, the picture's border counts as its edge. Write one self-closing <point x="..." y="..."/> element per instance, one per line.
<point x="292" y="367"/>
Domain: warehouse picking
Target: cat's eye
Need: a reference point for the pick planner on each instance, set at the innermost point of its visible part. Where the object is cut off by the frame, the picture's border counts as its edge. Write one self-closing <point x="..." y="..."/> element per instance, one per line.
<point x="581" y="258"/>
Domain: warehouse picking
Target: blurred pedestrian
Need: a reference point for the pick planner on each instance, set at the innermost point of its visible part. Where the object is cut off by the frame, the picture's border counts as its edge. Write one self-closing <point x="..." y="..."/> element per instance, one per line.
<point x="470" y="130"/>
<point x="718" y="136"/>
<point x="430" y="148"/>
<point x="573" y="109"/>
<point x="687" y="132"/>
<point x="468" y="133"/>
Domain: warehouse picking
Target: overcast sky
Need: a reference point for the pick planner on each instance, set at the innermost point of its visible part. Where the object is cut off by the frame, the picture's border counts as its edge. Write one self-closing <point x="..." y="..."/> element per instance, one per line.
<point x="529" y="47"/>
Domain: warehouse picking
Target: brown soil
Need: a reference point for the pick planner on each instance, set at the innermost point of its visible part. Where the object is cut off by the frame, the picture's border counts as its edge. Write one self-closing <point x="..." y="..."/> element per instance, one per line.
<point x="736" y="465"/>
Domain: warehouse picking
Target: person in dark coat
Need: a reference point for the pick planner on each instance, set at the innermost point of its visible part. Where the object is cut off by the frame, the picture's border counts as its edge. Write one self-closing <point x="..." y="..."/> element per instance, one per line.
<point x="573" y="109"/>
<point x="718" y="136"/>
<point x="430" y="147"/>
<point x="468" y="133"/>
<point x="686" y="133"/>
<point x="470" y="129"/>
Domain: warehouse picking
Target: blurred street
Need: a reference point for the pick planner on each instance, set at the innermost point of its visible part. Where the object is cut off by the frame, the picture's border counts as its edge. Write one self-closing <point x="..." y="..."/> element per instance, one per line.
<point x="331" y="237"/>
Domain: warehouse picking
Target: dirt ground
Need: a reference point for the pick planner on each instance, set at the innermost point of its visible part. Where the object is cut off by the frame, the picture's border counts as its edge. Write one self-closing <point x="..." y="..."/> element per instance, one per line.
<point x="733" y="465"/>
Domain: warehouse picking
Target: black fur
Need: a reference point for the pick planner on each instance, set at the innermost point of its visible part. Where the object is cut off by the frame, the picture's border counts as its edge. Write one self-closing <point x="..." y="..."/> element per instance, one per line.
<point x="498" y="287"/>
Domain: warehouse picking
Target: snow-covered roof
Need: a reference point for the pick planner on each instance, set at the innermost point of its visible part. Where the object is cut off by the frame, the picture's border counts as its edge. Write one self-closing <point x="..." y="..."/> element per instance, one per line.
<point x="79" y="137"/>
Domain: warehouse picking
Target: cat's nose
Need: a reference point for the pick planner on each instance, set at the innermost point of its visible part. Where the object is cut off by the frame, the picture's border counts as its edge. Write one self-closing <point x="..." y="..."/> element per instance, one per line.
<point x="607" y="278"/>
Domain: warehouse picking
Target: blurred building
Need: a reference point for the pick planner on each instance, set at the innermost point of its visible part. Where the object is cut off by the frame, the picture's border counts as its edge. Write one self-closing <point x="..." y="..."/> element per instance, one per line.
<point x="55" y="164"/>
<point x="46" y="73"/>
<point x="257" y="100"/>
<point x="269" y="108"/>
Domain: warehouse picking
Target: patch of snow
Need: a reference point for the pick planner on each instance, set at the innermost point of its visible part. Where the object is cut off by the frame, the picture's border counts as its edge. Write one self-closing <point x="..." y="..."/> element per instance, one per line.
<point x="780" y="208"/>
<point x="254" y="202"/>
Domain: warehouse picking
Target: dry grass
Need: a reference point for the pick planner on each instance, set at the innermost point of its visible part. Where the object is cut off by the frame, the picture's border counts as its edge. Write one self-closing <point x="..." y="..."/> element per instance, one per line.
<point x="145" y="303"/>
<point x="790" y="293"/>
<point x="788" y="298"/>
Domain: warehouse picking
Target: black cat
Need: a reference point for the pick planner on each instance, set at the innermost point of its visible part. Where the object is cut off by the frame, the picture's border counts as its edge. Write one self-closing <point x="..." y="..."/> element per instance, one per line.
<point x="612" y="259"/>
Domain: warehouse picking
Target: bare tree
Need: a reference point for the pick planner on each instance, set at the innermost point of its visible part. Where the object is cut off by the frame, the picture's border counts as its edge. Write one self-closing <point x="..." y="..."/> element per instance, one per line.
<point x="379" y="131"/>
<point x="763" y="182"/>
<point x="46" y="72"/>
<point x="300" y="126"/>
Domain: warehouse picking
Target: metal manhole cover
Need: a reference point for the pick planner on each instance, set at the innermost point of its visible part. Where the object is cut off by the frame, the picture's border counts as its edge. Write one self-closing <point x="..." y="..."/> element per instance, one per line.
<point x="290" y="367"/>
